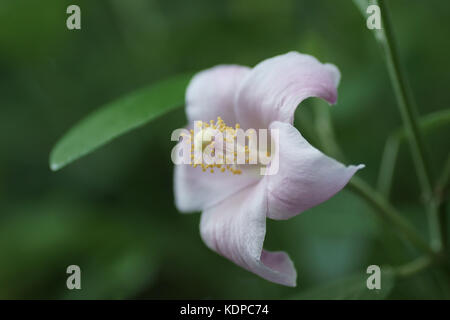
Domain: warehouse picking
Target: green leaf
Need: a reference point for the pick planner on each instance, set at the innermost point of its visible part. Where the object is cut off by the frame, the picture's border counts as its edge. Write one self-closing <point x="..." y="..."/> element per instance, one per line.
<point x="351" y="288"/>
<point x="117" y="118"/>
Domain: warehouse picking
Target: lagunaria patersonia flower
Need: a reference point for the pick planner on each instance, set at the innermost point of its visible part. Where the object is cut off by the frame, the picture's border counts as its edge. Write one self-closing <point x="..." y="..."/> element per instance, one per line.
<point x="235" y="206"/>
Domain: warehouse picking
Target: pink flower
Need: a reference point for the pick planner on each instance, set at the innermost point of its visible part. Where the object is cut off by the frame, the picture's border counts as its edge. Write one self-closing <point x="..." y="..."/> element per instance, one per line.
<point x="235" y="207"/>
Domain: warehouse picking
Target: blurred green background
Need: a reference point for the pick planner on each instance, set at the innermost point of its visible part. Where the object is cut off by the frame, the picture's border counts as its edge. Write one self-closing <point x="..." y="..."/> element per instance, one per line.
<point x="112" y="213"/>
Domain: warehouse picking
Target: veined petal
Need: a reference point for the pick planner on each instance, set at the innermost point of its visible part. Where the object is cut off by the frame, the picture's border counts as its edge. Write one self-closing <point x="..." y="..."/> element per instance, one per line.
<point x="235" y="228"/>
<point x="306" y="177"/>
<point x="196" y="190"/>
<point x="211" y="93"/>
<point x="275" y="87"/>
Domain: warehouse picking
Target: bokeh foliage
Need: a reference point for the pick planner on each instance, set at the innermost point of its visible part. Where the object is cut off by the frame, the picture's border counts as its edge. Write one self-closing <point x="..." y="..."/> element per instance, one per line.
<point x="113" y="213"/>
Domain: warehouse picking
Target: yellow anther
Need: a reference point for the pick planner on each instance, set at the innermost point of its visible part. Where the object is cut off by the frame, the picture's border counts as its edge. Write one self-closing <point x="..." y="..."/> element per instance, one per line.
<point x="206" y="137"/>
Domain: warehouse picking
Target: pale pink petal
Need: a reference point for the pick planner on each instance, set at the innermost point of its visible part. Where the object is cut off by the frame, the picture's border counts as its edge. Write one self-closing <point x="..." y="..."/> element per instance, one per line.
<point x="211" y="93"/>
<point x="275" y="87"/>
<point x="306" y="176"/>
<point x="196" y="190"/>
<point x="235" y="228"/>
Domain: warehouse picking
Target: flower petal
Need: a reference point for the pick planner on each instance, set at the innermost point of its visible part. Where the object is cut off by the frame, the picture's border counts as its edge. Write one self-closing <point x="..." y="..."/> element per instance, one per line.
<point x="211" y="93"/>
<point x="196" y="190"/>
<point x="275" y="87"/>
<point x="235" y="228"/>
<point x="306" y="177"/>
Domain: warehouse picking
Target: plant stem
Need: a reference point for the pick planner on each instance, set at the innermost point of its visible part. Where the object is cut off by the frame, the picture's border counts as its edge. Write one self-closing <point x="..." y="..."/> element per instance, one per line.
<point x="387" y="166"/>
<point x="427" y="123"/>
<point x="441" y="198"/>
<point x="393" y="218"/>
<point x="324" y="129"/>
<point x="409" y="118"/>
<point x="389" y="214"/>
<point x="414" y="266"/>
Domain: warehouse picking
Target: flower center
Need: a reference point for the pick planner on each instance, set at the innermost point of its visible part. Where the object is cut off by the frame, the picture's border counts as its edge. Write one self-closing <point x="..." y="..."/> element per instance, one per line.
<point x="217" y="146"/>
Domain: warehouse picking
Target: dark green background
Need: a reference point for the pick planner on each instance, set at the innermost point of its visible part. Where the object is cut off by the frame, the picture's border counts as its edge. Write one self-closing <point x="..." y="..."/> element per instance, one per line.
<point x="112" y="213"/>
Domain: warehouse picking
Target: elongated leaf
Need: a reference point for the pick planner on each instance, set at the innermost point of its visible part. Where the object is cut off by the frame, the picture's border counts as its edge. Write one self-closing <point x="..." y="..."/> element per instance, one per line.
<point x="117" y="118"/>
<point x="351" y="288"/>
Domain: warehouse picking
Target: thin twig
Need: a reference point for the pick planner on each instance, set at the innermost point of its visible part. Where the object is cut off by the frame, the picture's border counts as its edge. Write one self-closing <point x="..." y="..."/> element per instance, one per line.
<point x="409" y="117"/>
